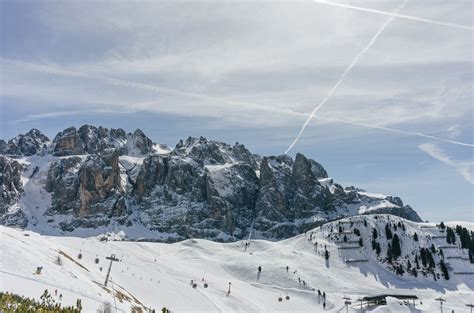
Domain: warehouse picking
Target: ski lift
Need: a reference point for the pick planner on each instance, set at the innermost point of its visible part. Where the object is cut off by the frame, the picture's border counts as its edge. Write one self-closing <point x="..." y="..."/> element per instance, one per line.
<point x="79" y="256"/>
<point x="195" y="285"/>
<point x="287" y="297"/>
<point x="280" y="299"/>
<point x="205" y="285"/>
<point x="96" y="259"/>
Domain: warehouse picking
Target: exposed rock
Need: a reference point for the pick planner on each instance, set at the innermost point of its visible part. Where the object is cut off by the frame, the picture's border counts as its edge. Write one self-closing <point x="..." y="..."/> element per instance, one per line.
<point x="86" y="187"/>
<point x="10" y="183"/>
<point x="67" y="142"/>
<point x="89" y="139"/>
<point x="33" y="142"/>
<point x="202" y="188"/>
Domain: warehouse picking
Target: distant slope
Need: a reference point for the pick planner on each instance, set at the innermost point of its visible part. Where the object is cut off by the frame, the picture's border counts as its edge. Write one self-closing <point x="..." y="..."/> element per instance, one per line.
<point x="155" y="274"/>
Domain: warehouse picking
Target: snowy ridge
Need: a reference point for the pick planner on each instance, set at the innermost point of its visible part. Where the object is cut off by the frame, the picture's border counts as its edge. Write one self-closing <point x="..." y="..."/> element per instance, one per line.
<point x="92" y="180"/>
<point x="154" y="275"/>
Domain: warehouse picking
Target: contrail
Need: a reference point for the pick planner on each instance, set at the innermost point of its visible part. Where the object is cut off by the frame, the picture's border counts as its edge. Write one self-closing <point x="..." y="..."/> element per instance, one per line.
<point x="394" y="130"/>
<point x="144" y="86"/>
<point x="395" y="14"/>
<point x="132" y="84"/>
<point x="344" y="74"/>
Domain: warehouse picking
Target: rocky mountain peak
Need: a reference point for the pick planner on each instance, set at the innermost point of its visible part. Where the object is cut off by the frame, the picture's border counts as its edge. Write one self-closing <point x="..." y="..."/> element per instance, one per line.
<point x="97" y="178"/>
<point x="89" y="139"/>
<point x="31" y="143"/>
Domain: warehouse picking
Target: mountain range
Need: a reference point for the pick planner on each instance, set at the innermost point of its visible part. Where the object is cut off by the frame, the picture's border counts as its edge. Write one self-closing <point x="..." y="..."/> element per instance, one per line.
<point x="91" y="180"/>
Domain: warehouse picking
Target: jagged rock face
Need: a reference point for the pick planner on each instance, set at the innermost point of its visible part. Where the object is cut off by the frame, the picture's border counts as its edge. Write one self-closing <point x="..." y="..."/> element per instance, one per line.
<point x="203" y="188"/>
<point x="10" y="183"/>
<point x="86" y="187"/>
<point x="140" y="143"/>
<point x="89" y="139"/>
<point x="67" y="142"/>
<point x="31" y="143"/>
<point x="289" y="192"/>
<point x="212" y="152"/>
<point x="63" y="182"/>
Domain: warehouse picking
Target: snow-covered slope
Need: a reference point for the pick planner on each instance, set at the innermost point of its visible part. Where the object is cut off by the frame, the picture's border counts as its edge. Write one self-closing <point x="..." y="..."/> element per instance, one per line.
<point x="155" y="275"/>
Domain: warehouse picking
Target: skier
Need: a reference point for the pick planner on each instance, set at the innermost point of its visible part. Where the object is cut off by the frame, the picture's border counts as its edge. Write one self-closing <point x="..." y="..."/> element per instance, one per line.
<point x="324" y="305"/>
<point x="259" y="273"/>
<point x="60" y="297"/>
<point x="287" y="268"/>
<point x="55" y="292"/>
<point x="259" y="269"/>
<point x="299" y="280"/>
<point x="324" y="295"/>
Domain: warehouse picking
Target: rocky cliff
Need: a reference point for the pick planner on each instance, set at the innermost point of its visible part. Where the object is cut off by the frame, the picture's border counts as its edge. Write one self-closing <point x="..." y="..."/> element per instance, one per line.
<point x="94" y="179"/>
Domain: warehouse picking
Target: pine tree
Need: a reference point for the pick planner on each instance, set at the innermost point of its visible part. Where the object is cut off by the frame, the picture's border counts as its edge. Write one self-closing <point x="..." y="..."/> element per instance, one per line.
<point x="378" y="249"/>
<point x="326" y="255"/>
<point x="433" y="248"/>
<point x="431" y="262"/>
<point x="361" y="243"/>
<point x="444" y="269"/>
<point x="374" y="233"/>
<point x="340" y="229"/>
<point x="423" y="257"/>
<point x="441" y="225"/>
<point x="388" y="231"/>
<point x="451" y="236"/>
<point x="365" y="222"/>
<point x="344" y="238"/>
<point x="416" y="262"/>
<point x="415" y="237"/>
<point x="389" y="253"/>
<point x="396" y="249"/>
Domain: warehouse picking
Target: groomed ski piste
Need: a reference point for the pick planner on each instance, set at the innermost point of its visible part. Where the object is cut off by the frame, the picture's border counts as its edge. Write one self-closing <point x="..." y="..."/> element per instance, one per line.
<point x="156" y="275"/>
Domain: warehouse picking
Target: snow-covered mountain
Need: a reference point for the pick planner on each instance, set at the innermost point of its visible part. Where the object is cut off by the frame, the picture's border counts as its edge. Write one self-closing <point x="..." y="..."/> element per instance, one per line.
<point x="91" y="180"/>
<point x="156" y="275"/>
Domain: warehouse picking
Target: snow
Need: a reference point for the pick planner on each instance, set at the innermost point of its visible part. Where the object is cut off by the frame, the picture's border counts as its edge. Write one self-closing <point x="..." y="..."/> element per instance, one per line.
<point x="158" y="274"/>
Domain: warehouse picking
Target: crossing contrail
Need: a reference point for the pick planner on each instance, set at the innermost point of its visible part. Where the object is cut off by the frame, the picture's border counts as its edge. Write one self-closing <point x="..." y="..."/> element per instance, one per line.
<point x="395" y="130"/>
<point x="256" y="106"/>
<point x="395" y="14"/>
<point x="344" y="74"/>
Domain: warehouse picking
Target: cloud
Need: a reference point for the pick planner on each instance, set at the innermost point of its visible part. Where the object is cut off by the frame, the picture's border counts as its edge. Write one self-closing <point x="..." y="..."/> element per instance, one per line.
<point x="465" y="168"/>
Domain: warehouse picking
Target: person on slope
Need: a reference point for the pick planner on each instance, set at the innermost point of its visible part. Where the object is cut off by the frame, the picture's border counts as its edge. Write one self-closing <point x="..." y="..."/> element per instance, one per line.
<point x="259" y="273"/>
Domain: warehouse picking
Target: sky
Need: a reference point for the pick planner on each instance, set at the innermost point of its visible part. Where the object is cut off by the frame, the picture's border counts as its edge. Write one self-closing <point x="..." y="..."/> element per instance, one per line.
<point x="399" y="122"/>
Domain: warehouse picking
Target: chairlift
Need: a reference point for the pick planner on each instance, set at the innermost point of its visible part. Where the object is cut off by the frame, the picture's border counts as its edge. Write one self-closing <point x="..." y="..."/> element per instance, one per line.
<point x="79" y="256"/>
<point x="96" y="259"/>
<point x="195" y="285"/>
<point x="205" y="285"/>
<point x="287" y="297"/>
<point x="280" y="299"/>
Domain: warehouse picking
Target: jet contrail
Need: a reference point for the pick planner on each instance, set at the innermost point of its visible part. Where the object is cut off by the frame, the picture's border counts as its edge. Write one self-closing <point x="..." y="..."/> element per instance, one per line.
<point x="394" y="130"/>
<point x="395" y="14"/>
<point x="132" y="84"/>
<point x="344" y="74"/>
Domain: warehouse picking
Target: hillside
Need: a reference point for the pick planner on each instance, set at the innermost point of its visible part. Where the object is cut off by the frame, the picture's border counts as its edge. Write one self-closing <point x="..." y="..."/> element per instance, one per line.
<point x="155" y="275"/>
<point x="91" y="180"/>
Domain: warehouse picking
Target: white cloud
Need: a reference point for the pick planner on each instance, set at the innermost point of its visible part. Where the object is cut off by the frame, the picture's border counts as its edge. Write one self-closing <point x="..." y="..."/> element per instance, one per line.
<point x="465" y="168"/>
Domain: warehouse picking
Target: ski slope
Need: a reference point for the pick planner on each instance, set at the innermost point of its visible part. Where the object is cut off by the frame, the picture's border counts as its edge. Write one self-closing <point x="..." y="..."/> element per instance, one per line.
<point x="154" y="275"/>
